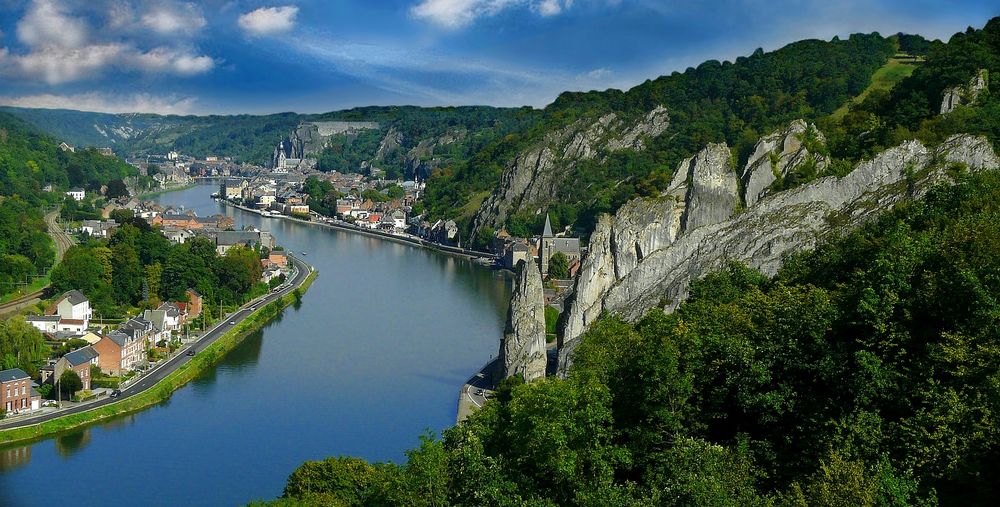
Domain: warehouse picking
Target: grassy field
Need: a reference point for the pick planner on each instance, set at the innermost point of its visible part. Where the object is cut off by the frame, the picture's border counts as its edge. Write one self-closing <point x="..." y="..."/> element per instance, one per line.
<point x="894" y="71"/>
<point x="161" y="391"/>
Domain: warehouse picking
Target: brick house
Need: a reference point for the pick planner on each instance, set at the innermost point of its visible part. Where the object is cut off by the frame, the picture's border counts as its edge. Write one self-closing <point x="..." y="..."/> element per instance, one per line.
<point x="79" y="361"/>
<point x="120" y="352"/>
<point x="16" y="393"/>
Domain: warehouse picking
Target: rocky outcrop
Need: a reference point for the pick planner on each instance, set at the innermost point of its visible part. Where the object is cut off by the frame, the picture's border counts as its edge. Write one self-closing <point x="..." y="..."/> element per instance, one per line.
<point x="779" y="154"/>
<point x="962" y="95"/>
<point x="309" y="138"/>
<point x="522" y="351"/>
<point x="638" y="260"/>
<point x="538" y="173"/>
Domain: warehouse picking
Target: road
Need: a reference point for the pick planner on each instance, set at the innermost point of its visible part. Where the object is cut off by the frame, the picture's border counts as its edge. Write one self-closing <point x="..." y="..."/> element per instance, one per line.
<point x="62" y="241"/>
<point x="161" y="371"/>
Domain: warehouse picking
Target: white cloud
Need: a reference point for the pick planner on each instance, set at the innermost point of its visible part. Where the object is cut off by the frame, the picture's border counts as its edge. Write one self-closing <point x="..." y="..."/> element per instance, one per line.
<point x="93" y="101"/>
<point x="46" y="23"/>
<point x="164" y="59"/>
<point x="56" y="65"/>
<point x="62" y="48"/>
<point x="168" y="18"/>
<point x="596" y="74"/>
<point x="459" y="13"/>
<point x="269" y="20"/>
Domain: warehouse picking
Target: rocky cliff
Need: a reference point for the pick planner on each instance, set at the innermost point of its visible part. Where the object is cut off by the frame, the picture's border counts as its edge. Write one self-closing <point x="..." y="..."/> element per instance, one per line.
<point x="645" y="256"/>
<point x="522" y="351"/>
<point x="962" y="95"/>
<point x="309" y="138"/>
<point x="537" y="173"/>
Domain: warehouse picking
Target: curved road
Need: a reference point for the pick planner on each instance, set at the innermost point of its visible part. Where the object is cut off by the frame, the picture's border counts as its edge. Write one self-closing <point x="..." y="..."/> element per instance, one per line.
<point x="62" y="241"/>
<point x="155" y="376"/>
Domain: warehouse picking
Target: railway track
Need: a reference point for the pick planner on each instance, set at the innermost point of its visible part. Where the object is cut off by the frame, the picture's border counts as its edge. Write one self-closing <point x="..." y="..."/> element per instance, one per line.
<point x="62" y="242"/>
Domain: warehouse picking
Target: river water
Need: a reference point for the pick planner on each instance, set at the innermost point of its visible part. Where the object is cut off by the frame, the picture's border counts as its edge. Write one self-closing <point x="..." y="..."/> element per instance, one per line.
<point x="374" y="356"/>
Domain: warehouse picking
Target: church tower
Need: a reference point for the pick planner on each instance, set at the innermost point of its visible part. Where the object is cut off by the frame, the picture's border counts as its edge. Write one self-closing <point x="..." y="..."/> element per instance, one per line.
<point x="545" y="246"/>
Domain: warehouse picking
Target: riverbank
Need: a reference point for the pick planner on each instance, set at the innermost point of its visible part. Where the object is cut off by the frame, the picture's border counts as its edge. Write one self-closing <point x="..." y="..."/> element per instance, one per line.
<point x="148" y="195"/>
<point x="408" y="240"/>
<point x="163" y="389"/>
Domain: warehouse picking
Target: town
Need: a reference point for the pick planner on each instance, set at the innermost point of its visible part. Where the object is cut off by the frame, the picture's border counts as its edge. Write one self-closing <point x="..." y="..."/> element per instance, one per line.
<point x="93" y="357"/>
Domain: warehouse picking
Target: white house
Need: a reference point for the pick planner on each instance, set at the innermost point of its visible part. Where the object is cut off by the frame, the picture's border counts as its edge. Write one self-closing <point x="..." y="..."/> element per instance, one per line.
<point x="77" y="194"/>
<point x="44" y="323"/>
<point x="73" y="305"/>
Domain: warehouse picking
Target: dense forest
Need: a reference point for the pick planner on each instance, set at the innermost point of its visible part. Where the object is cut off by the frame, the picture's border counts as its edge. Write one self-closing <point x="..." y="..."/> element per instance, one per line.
<point x="864" y="373"/>
<point x="30" y="160"/>
<point x="138" y="267"/>
<point x="443" y="136"/>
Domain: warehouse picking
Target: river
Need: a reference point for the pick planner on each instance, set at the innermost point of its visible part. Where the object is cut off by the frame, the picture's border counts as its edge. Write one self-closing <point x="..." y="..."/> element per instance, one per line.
<point x="373" y="357"/>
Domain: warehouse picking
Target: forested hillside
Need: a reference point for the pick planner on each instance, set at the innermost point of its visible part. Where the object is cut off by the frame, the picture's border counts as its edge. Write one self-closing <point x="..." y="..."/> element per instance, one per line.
<point x="733" y="102"/>
<point x="29" y="160"/>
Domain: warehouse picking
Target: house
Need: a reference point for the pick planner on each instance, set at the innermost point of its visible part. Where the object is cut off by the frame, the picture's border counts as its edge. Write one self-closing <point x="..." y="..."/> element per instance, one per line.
<point x="270" y="272"/>
<point x="193" y="304"/>
<point x="44" y="323"/>
<point x="176" y="235"/>
<point x="97" y="228"/>
<point x="515" y="253"/>
<point x="549" y="244"/>
<point x="16" y="393"/>
<point x="77" y="194"/>
<point x="73" y="305"/>
<point x="182" y="221"/>
<point x="278" y="258"/>
<point x="165" y="318"/>
<point x="233" y="188"/>
<point x="398" y="220"/>
<point x="143" y="329"/>
<point x="120" y="352"/>
<point x="79" y="361"/>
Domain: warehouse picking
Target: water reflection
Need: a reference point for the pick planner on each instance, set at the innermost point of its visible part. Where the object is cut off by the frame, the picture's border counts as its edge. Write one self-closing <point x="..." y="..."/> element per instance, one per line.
<point x="14" y="457"/>
<point x="71" y="443"/>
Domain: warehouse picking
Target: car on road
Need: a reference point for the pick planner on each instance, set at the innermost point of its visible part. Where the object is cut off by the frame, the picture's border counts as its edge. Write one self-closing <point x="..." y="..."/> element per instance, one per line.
<point x="190" y="352"/>
<point x="232" y="323"/>
<point x="479" y="392"/>
<point x="116" y="393"/>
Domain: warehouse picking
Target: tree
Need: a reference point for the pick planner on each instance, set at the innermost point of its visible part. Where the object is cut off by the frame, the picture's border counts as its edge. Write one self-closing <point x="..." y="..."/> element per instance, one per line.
<point x="70" y="383"/>
<point x="21" y="345"/>
<point x="116" y="189"/>
<point x="559" y="266"/>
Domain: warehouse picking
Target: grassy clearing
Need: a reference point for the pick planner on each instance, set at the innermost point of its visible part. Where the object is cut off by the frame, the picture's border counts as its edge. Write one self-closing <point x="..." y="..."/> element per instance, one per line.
<point x="161" y="391"/>
<point x="472" y="206"/>
<point x="894" y="71"/>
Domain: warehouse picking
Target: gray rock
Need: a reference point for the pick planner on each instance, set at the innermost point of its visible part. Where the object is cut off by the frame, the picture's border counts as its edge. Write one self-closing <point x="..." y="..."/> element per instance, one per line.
<point x="713" y="195"/>
<point x="615" y="280"/>
<point x="776" y="155"/>
<point x="962" y="95"/>
<point x="522" y="351"/>
<point x="539" y="173"/>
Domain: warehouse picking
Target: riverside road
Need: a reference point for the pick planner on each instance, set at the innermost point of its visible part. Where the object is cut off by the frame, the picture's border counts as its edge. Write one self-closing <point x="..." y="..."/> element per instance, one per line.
<point x="160" y="372"/>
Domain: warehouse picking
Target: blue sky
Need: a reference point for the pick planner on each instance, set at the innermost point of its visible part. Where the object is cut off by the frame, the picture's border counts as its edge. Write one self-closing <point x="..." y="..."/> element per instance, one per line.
<point x="253" y="56"/>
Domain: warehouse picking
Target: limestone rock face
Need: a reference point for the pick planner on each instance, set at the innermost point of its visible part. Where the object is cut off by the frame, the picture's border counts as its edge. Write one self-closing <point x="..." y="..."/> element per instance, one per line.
<point x="961" y="95"/>
<point x="522" y="351"/>
<point x="539" y="172"/>
<point x="714" y="193"/>
<point x="777" y="155"/>
<point x="637" y="262"/>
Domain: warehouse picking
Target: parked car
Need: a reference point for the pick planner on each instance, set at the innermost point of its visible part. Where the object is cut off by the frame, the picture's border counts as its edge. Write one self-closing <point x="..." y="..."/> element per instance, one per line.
<point x="116" y="393"/>
<point x="190" y="352"/>
<point x="49" y="403"/>
<point x="479" y="392"/>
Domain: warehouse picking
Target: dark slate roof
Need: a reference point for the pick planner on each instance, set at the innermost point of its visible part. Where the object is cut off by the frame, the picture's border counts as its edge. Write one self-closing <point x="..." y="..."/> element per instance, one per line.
<point x="547" y="233"/>
<point x="74" y="296"/>
<point x="119" y="338"/>
<point x="12" y="374"/>
<point x="81" y="356"/>
<point x="42" y="318"/>
<point x="237" y="238"/>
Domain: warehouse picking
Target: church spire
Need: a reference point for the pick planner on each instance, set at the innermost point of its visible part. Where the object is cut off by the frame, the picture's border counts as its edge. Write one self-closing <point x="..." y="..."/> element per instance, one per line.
<point x="547" y="232"/>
